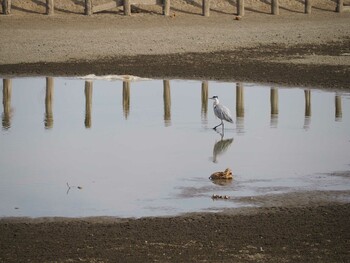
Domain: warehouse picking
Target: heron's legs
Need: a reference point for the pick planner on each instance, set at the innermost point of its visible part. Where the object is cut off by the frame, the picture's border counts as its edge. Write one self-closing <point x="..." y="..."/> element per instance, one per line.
<point x="222" y="123"/>
<point x="222" y="133"/>
<point x="217" y="126"/>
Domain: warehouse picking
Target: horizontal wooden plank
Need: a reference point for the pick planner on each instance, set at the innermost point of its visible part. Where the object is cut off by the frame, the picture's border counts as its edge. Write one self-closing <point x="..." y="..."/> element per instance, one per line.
<point x="146" y="2"/>
<point x="114" y="4"/>
<point x="106" y="6"/>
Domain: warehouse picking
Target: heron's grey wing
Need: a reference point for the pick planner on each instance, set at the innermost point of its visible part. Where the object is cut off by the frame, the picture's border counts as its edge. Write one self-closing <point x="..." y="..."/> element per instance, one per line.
<point x="223" y="113"/>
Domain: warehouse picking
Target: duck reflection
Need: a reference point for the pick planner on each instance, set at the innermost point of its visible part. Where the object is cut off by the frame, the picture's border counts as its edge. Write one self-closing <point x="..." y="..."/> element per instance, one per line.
<point x="6" y="102"/>
<point x="48" y="103"/>
<point x="220" y="147"/>
<point x="204" y="110"/>
<point x="222" y="182"/>
<point x="88" y="103"/>
<point x="167" y="102"/>
<point x="126" y="98"/>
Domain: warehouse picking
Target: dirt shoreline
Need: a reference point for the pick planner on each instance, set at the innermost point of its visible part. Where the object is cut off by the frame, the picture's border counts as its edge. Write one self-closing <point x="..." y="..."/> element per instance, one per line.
<point x="222" y="66"/>
<point x="277" y="234"/>
<point x="294" y="227"/>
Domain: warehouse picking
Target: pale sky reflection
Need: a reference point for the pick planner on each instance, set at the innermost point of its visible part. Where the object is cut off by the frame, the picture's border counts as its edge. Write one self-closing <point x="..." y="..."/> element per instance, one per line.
<point x="135" y="145"/>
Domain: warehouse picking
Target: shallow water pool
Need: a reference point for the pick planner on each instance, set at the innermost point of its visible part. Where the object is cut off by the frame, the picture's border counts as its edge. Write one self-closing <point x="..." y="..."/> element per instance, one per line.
<point x="129" y="147"/>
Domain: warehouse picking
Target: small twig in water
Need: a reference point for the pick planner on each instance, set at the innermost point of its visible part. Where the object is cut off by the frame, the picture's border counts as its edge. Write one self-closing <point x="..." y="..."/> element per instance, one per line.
<point x="72" y="186"/>
<point x="215" y="197"/>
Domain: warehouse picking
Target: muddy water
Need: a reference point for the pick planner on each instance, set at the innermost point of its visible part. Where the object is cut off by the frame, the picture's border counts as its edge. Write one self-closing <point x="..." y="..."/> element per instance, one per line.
<point x="107" y="147"/>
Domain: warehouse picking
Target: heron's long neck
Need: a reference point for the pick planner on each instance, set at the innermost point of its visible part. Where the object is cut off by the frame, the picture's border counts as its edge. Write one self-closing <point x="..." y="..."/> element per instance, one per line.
<point x="216" y="102"/>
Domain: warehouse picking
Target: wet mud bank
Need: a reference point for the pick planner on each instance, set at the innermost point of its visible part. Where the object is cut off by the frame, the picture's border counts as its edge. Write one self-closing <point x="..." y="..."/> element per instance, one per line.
<point x="274" y="64"/>
<point x="276" y="234"/>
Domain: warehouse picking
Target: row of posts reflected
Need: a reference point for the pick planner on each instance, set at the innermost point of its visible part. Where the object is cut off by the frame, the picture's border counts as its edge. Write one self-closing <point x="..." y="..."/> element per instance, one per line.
<point x="49" y="120"/>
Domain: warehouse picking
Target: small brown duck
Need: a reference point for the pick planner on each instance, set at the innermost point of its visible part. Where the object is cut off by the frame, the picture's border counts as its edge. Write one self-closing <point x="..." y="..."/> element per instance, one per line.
<point x="227" y="174"/>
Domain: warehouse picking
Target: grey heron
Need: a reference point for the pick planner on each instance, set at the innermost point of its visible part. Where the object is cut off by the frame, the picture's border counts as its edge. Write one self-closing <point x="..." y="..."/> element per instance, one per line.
<point x="221" y="112"/>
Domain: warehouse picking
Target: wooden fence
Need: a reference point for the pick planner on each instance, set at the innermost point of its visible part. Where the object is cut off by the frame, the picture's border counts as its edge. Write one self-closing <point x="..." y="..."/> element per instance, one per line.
<point x="126" y="4"/>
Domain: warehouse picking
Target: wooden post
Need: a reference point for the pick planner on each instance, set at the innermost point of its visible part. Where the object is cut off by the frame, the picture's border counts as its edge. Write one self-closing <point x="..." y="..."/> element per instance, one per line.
<point x="275" y="7"/>
<point x="6" y="7"/>
<point x="126" y="98"/>
<point x="206" y="7"/>
<point x="50" y="7"/>
<point x="204" y="111"/>
<point x="127" y="8"/>
<point x="88" y="103"/>
<point x="308" y="6"/>
<point x="340" y="6"/>
<point x="338" y="108"/>
<point x="167" y="102"/>
<point x="88" y="7"/>
<point x="240" y="7"/>
<point x="166" y="7"/>
<point x="48" y="103"/>
<point x="6" y="101"/>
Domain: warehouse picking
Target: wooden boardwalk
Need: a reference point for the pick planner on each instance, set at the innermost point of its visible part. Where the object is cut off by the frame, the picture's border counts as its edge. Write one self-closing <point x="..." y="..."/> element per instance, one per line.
<point x="90" y="8"/>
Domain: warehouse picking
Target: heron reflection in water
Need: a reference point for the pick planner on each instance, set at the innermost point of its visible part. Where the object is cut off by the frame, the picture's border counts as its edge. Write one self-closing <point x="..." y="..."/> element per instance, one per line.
<point x="220" y="147"/>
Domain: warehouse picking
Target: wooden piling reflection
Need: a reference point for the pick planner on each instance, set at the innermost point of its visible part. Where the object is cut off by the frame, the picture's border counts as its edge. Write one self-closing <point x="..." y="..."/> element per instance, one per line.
<point x="48" y="103"/>
<point x="126" y="98"/>
<point x="167" y="102"/>
<point x="6" y="102"/>
<point x="338" y="108"/>
<point x="274" y="107"/>
<point x="88" y="103"/>
<point x="239" y="100"/>
<point x="204" y="96"/>
<point x="307" y="103"/>
<point x="307" y="119"/>
<point x="240" y="107"/>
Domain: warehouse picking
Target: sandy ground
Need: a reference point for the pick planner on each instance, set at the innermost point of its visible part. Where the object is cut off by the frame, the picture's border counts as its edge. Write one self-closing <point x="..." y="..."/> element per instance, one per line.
<point x="289" y="49"/>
